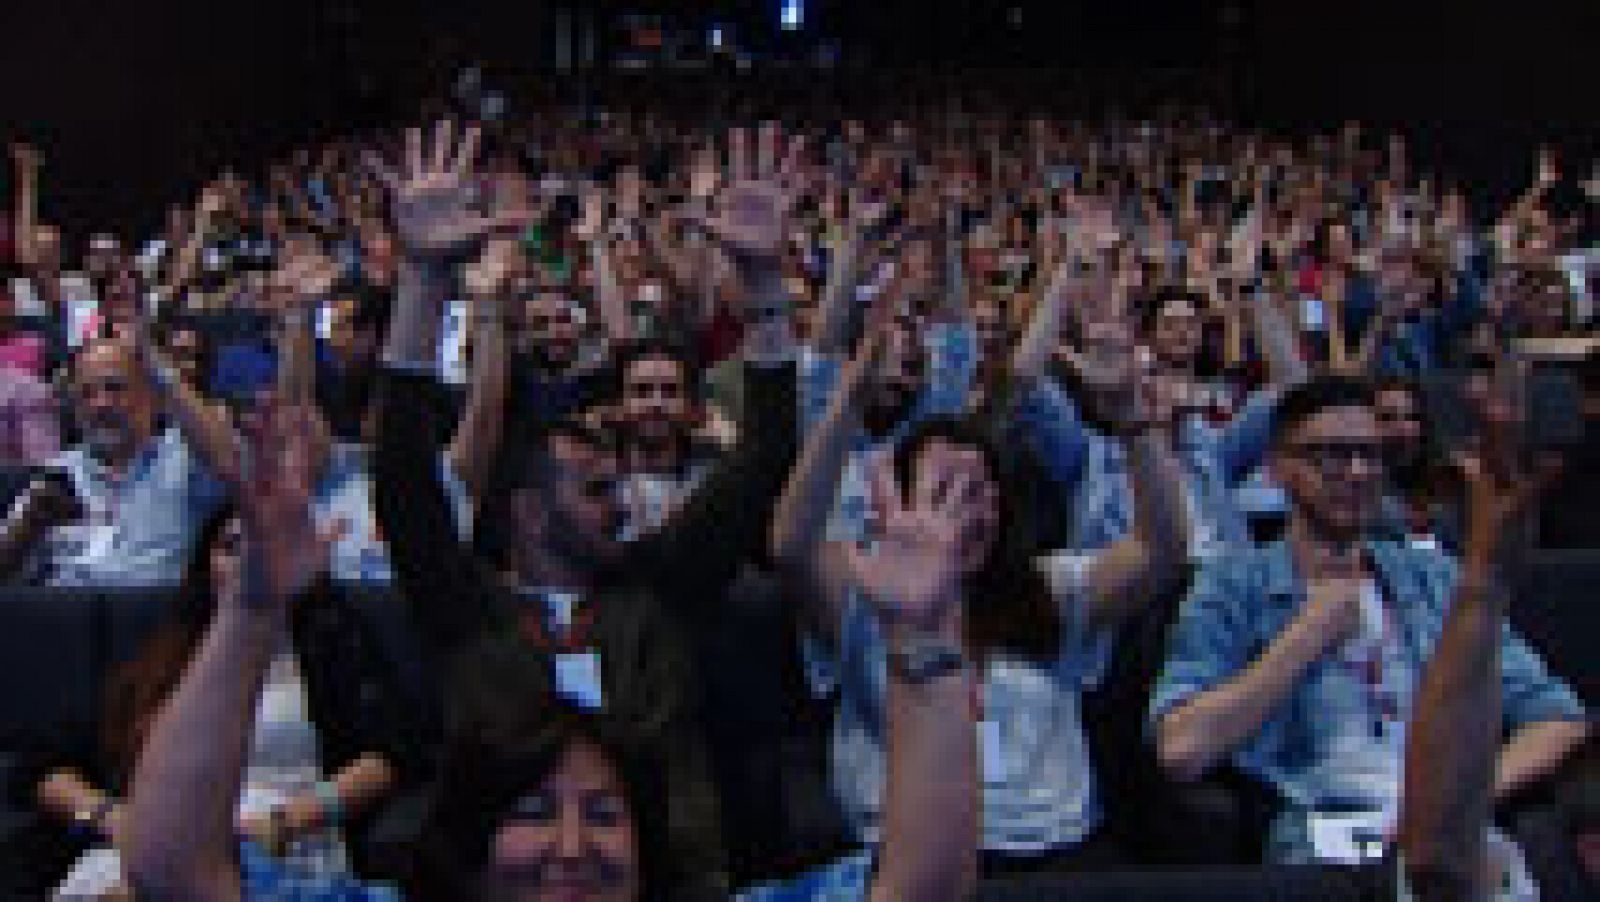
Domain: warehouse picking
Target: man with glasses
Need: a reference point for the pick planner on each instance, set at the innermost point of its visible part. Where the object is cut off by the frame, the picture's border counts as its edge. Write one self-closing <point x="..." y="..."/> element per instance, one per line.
<point x="1299" y="662"/>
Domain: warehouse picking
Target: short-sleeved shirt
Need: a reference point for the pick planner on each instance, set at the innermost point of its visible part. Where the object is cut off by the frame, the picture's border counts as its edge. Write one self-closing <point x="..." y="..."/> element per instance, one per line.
<point x="1040" y="792"/>
<point x="1325" y="746"/>
<point x="137" y="530"/>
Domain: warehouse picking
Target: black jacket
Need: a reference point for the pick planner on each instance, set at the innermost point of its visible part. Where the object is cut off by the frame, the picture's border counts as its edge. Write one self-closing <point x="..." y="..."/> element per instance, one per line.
<point x="668" y="580"/>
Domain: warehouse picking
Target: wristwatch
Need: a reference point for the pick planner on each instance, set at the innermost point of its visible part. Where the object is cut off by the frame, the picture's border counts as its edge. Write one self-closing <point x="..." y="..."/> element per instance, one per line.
<point x="920" y="658"/>
<point x="90" y="821"/>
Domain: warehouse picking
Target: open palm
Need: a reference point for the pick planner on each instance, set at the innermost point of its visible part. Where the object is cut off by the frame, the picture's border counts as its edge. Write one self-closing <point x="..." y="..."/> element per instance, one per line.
<point x="432" y="198"/>
<point x="913" y="571"/>
<point x="752" y="211"/>
<point x="283" y="546"/>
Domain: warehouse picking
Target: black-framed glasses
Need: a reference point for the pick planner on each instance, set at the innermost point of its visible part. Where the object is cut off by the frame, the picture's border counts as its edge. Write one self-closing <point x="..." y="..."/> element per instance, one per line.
<point x="1329" y="456"/>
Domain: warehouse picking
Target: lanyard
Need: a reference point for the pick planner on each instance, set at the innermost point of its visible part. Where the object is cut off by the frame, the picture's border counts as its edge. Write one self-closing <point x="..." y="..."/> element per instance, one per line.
<point x="546" y="634"/>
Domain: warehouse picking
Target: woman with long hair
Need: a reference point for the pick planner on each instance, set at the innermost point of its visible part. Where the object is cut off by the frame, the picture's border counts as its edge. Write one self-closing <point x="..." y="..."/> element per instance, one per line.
<point x="1035" y="627"/>
<point x="326" y="710"/>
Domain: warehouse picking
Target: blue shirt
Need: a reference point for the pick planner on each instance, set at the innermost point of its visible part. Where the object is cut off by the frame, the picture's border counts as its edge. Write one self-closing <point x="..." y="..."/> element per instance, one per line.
<point x="952" y="354"/>
<point x="266" y="879"/>
<point x="1320" y="749"/>
<point x="139" y="529"/>
<point x="1092" y="469"/>
<point x="1039" y="789"/>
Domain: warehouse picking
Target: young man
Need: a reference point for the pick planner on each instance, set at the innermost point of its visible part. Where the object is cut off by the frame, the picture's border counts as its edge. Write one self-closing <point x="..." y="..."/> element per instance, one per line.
<point x="1300" y="662"/>
<point x="662" y="461"/>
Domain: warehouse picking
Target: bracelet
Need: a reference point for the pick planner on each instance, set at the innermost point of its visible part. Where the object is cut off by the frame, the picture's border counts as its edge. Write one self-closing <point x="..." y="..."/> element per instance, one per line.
<point x="332" y="806"/>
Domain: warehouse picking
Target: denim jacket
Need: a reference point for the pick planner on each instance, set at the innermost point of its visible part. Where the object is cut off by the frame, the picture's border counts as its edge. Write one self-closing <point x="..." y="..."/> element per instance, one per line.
<point x="1244" y="598"/>
<point x="1092" y="468"/>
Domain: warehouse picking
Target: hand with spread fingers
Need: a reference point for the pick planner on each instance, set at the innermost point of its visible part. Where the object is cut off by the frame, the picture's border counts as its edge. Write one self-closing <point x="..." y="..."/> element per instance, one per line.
<point x="284" y="550"/>
<point x="433" y="199"/>
<point x="913" y="571"/>
<point x="751" y="215"/>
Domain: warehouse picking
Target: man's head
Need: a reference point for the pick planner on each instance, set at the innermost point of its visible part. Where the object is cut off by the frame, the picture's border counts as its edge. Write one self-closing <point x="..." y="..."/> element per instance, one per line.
<point x="900" y="379"/>
<point x="656" y="402"/>
<point x="1327" y="454"/>
<point x="561" y="499"/>
<point x="358" y="319"/>
<point x="1398" y="407"/>
<point x="989" y="319"/>
<point x="1172" y="328"/>
<point x="114" y="403"/>
<point x="551" y="328"/>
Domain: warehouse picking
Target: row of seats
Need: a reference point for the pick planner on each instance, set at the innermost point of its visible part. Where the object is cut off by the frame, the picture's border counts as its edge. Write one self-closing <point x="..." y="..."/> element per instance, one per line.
<point x="58" y="645"/>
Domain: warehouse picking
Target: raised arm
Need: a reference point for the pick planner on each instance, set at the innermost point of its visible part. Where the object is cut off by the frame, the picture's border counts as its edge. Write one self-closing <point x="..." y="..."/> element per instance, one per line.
<point x="931" y="807"/>
<point x="1137" y="568"/>
<point x="609" y="300"/>
<point x="799" y="524"/>
<point x="476" y="442"/>
<point x="205" y="426"/>
<point x="1453" y="742"/>
<point x="300" y="283"/>
<point x="180" y="816"/>
<point x="26" y="163"/>
<point x="447" y="591"/>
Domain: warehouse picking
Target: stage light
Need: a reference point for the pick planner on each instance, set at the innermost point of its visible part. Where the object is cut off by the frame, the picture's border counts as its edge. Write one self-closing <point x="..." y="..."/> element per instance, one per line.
<point x="791" y="14"/>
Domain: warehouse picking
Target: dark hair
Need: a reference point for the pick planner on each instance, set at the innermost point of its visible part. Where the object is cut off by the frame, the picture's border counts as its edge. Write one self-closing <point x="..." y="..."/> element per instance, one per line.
<point x="1150" y="310"/>
<point x="137" y="688"/>
<point x="1008" y="604"/>
<point x="374" y="305"/>
<point x="521" y="463"/>
<point x="1308" y="399"/>
<point x="650" y="349"/>
<point x="507" y="732"/>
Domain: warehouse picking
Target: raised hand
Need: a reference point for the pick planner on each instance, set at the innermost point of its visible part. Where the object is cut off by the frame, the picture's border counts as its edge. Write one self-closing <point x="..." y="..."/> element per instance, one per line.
<point x="304" y="276"/>
<point x="284" y="551"/>
<point x="26" y="157"/>
<point x="487" y="275"/>
<point x="1501" y="486"/>
<point x="913" y="573"/>
<point x="752" y="211"/>
<point x="432" y="198"/>
<point x="591" y="227"/>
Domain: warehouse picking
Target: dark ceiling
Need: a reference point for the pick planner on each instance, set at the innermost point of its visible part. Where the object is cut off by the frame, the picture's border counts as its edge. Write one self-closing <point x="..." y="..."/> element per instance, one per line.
<point x="133" y="102"/>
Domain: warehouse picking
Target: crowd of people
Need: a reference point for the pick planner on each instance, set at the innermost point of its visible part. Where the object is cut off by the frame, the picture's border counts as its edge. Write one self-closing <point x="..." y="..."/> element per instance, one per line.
<point x="689" y="447"/>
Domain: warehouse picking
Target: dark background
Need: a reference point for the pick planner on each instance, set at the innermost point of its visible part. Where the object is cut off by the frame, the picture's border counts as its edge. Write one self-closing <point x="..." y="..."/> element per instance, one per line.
<point x="135" y="103"/>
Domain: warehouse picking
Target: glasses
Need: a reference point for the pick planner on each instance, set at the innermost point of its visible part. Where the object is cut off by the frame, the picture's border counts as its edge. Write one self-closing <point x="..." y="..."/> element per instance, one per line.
<point x="655" y="389"/>
<point x="596" y="489"/>
<point x="1336" y="455"/>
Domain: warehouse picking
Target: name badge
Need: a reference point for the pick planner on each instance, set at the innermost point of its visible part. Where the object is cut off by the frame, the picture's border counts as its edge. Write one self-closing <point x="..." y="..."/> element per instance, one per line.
<point x="1350" y="837"/>
<point x="578" y="679"/>
<point x="991" y="753"/>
